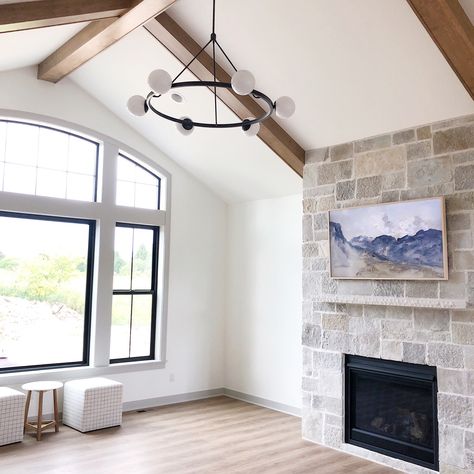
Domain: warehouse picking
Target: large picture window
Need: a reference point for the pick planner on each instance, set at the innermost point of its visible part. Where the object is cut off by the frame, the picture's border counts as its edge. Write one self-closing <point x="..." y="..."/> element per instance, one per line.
<point x="45" y="288"/>
<point x="83" y="251"/>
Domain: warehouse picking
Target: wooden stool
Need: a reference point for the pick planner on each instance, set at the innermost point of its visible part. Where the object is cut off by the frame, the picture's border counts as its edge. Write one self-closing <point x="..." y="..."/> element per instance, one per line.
<point x="42" y="387"/>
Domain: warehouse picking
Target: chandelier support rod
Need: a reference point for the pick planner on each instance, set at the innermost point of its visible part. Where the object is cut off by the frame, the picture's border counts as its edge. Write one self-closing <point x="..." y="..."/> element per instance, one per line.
<point x="192" y="60"/>
<point x="225" y="55"/>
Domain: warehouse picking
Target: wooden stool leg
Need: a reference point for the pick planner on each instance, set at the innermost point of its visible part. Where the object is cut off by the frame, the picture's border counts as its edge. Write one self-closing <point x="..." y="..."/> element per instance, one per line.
<point x="40" y="416"/>
<point x="27" y="409"/>
<point x="56" y="413"/>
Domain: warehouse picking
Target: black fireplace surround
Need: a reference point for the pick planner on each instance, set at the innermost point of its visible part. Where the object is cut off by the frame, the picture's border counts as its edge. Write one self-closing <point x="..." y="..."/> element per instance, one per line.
<point x="391" y="408"/>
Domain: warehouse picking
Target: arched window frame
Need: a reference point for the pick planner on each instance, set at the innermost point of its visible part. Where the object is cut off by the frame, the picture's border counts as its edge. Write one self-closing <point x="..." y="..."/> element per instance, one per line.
<point x="106" y="214"/>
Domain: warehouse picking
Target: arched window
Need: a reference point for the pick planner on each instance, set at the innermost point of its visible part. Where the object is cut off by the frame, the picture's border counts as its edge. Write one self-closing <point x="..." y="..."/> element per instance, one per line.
<point x="82" y="250"/>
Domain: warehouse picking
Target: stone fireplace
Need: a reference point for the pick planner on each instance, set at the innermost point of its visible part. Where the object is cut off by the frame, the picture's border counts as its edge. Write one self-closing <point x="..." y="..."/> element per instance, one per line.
<point x="426" y="323"/>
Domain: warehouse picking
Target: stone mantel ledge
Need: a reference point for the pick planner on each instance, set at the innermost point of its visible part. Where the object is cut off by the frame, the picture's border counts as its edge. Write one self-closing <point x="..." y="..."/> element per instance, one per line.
<point x="392" y="301"/>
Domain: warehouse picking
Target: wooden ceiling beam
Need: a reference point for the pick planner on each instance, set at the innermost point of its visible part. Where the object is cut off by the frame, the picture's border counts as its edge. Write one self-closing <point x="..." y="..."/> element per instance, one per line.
<point x="96" y="37"/>
<point x="452" y="31"/>
<point x="38" y="14"/>
<point x="184" y="48"/>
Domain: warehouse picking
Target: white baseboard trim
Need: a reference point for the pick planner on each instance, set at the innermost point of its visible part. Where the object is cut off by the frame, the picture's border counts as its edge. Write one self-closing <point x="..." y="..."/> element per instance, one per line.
<point x="288" y="409"/>
<point x="171" y="399"/>
<point x="200" y="395"/>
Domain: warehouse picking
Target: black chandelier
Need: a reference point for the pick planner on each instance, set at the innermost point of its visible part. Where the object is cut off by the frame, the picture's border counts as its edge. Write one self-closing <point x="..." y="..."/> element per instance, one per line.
<point x="242" y="83"/>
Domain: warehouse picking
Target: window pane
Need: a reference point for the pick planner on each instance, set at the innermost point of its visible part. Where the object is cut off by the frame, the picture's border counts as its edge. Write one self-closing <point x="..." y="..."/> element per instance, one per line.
<point x="43" y="280"/>
<point x="120" y="335"/>
<point x="82" y="156"/>
<point x="125" y="169"/>
<point x="51" y="183"/>
<point x="22" y="144"/>
<point x="52" y="150"/>
<point x="125" y="194"/>
<point x="19" y="179"/>
<point x="141" y="326"/>
<point x="80" y="187"/>
<point x="136" y="187"/>
<point x="146" y="196"/>
<point x="142" y="259"/>
<point x="123" y="258"/>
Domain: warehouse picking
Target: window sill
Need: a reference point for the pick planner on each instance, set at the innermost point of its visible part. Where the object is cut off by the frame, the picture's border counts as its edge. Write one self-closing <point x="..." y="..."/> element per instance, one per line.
<point x="70" y="373"/>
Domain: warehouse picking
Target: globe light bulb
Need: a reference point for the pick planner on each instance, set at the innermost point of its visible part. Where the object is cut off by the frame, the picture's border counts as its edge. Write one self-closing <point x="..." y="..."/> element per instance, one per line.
<point x="285" y="107"/>
<point x="160" y="81"/>
<point x="185" y="128"/>
<point x="136" y="105"/>
<point x="250" y="130"/>
<point x="243" y="82"/>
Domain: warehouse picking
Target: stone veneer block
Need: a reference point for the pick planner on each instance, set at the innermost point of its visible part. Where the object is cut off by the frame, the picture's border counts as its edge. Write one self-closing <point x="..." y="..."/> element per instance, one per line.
<point x="464" y="178"/>
<point x="429" y="172"/>
<point x="445" y="355"/>
<point x="380" y="162"/>
<point x="423" y="133"/>
<point x="418" y="150"/>
<point x="459" y="138"/>
<point x="345" y="190"/>
<point x="414" y="353"/>
<point x="404" y="136"/>
<point x="374" y="143"/>
<point x="369" y="187"/>
<point x="455" y="410"/>
<point x="317" y="155"/>
<point x="341" y="152"/>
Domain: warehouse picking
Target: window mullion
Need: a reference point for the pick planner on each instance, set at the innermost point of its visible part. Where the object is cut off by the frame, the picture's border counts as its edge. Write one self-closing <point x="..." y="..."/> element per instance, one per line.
<point x="105" y="263"/>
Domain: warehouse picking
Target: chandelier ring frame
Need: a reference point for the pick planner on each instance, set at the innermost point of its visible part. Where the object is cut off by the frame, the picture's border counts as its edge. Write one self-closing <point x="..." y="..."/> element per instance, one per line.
<point x="245" y="124"/>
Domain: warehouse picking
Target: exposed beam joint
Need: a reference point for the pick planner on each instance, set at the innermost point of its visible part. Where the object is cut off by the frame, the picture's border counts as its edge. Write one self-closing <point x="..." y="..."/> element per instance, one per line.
<point x="96" y="37"/>
<point x="184" y="48"/>
<point x="452" y="31"/>
<point x="39" y="14"/>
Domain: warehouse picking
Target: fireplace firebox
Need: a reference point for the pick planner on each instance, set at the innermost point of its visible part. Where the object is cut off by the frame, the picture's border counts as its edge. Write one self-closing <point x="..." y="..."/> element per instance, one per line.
<point x="391" y="408"/>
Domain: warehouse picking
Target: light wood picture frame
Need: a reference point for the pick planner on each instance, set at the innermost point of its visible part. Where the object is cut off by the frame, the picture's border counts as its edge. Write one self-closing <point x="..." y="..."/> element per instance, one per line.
<point x="391" y="241"/>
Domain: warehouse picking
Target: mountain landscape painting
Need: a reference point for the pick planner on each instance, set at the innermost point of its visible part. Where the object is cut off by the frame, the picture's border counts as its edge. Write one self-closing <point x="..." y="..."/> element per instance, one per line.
<point x="396" y="241"/>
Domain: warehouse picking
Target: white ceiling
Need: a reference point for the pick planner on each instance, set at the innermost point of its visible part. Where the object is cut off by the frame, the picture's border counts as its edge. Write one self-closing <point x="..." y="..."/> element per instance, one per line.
<point x="24" y="48"/>
<point x="355" y="69"/>
<point x="468" y="6"/>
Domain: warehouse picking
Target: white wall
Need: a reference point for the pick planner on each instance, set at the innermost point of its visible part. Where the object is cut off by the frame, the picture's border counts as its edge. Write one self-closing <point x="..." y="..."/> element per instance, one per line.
<point x="196" y="302"/>
<point x="263" y="325"/>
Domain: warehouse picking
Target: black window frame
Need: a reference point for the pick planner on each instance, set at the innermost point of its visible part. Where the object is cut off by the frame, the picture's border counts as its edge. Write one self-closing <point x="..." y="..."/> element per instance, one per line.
<point x="88" y="291"/>
<point x="153" y="292"/>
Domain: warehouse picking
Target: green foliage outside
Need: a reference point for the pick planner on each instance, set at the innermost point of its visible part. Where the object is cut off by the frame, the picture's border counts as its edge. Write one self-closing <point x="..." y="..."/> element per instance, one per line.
<point x="57" y="279"/>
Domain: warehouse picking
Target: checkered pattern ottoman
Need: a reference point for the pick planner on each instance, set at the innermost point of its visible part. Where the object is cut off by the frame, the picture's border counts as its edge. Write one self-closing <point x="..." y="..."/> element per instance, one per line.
<point x="92" y="404"/>
<point x="12" y="411"/>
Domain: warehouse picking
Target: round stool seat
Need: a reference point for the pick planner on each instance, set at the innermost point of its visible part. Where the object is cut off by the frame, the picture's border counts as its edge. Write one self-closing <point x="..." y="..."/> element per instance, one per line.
<point x="41" y="387"/>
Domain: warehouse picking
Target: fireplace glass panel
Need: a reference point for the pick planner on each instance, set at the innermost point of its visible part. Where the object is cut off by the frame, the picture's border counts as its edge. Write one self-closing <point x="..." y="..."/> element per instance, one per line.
<point x="399" y="411"/>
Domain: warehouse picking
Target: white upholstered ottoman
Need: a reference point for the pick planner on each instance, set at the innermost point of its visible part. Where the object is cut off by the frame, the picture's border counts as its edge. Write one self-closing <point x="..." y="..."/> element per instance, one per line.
<point x="92" y="404"/>
<point x="12" y="412"/>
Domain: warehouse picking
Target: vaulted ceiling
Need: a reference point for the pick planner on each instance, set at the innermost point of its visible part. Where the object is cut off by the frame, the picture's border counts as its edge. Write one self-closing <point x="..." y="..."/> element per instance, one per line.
<point x="355" y="69"/>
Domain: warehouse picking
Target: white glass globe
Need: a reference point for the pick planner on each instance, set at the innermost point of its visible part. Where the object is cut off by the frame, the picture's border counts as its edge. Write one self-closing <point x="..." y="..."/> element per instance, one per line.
<point x="243" y="82"/>
<point x="253" y="130"/>
<point x="285" y="107"/>
<point x="182" y="130"/>
<point x="136" y="105"/>
<point x="160" y="81"/>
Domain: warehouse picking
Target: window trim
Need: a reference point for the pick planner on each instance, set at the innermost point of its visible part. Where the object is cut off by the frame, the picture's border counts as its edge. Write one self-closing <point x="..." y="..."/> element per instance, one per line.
<point x="99" y="362"/>
<point x="153" y="292"/>
<point x="87" y="296"/>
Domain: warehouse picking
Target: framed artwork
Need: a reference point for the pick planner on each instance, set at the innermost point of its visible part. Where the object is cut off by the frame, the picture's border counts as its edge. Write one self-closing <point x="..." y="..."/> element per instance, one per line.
<point x="394" y="241"/>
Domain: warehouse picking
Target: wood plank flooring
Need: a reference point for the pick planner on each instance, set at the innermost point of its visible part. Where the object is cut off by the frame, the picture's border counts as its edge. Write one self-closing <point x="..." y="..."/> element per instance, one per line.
<point x="217" y="435"/>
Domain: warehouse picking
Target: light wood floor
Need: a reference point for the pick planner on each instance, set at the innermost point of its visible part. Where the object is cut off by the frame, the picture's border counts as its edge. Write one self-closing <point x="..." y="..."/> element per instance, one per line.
<point x="217" y="435"/>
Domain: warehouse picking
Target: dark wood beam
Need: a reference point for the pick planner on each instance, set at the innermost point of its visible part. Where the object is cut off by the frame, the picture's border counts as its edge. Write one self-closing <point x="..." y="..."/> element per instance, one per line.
<point x="183" y="47"/>
<point x="452" y="31"/>
<point x="96" y="37"/>
<point x="38" y="14"/>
